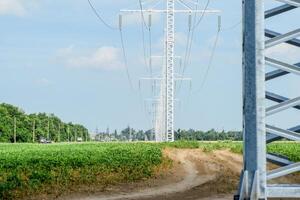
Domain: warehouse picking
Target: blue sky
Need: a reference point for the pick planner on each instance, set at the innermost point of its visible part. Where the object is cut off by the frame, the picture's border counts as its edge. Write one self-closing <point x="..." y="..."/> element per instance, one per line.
<point x="57" y="57"/>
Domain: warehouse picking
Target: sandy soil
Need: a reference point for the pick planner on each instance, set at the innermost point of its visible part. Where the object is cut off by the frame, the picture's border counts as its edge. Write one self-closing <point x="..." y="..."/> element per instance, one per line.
<point x="196" y="175"/>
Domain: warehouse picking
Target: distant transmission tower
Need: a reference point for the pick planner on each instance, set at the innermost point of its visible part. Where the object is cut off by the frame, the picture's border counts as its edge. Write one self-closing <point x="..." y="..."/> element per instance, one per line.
<point x="166" y="106"/>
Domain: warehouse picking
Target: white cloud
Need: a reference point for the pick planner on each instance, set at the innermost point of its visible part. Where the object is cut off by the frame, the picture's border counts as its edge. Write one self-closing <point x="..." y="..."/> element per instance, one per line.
<point x="181" y="38"/>
<point x="12" y="7"/>
<point x="106" y="58"/>
<point x="43" y="82"/>
<point x="17" y="7"/>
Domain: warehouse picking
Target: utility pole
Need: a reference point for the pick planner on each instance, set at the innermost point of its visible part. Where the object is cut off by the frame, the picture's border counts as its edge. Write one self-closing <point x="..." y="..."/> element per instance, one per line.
<point x="58" y="131"/>
<point x="15" y="129"/>
<point x="130" y="134"/>
<point x="68" y="132"/>
<point x="33" y="131"/>
<point x="86" y="136"/>
<point x="98" y="134"/>
<point x="108" y="133"/>
<point x="169" y="71"/>
<point x="48" y="129"/>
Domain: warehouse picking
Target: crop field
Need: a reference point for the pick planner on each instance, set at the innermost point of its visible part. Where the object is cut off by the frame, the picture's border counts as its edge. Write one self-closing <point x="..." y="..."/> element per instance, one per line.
<point x="31" y="168"/>
<point x="25" y="167"/>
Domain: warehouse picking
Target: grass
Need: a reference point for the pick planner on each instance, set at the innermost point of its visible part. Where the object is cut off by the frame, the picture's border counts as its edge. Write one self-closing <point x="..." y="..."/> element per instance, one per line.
<point x="27" y="169"/>
<point x="285" y="148"/>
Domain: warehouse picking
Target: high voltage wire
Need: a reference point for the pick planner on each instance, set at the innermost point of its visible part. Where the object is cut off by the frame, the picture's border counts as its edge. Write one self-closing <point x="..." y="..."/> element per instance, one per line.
<point x="143" y="23"/>
<point x="193" y="31"/>
<point x="100" y="18"/>
<point x="202" y="15"/>
<point x="185" y="4"/>
<point x="213" y="52"/>
<point x="121" y="39"/>
<point x="144" y="45"/>
<point x="142" y="14"/>
<point x="232" y="26"/>
<point x="125" y="59"/>
<point x="210" y="61"/>
<point x="191" y="37"/>
<point x="150" y="51"/>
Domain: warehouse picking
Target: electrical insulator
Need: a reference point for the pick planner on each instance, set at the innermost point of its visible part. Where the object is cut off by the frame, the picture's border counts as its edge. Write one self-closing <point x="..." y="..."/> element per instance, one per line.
<point x="219" y="23"/>
<point x="150" y="62"/>
<point x="150" y="20"/>
<point x="120" y="22"/>
<point x="190" y="21"/>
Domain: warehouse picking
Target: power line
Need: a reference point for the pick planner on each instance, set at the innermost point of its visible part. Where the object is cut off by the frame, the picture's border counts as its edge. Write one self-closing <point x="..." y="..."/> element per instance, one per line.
<point x="232" y="26"/>
<point x="100" y="18"/>
<point x="193" y="32"/>
<point x="210" y="61"/>
<point x="142" y="14"/>
<point x="121" y="38"/>
<point x="125" y="59"/>
<point x="143" y="23"/>
<point x="202" y="15"/>
<point x="150" y="51"/>
<point x="191" y="37"/>
<point x="144" y="45"/>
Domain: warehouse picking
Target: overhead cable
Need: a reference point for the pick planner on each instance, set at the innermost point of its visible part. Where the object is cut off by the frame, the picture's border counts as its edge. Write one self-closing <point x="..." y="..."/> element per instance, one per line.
<point x="124" y="54"/>
<point x="100" y="18"/>
<point x="211" y="59"/>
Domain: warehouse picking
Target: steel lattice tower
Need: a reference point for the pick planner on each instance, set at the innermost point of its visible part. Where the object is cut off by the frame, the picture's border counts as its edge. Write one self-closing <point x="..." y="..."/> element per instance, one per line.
<point x="257" y="133"/>
<point x="164" y="125"/>
<point x="170" y="70"/>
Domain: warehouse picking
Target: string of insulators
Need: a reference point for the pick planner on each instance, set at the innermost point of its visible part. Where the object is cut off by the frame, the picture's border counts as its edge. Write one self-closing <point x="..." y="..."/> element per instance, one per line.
<point x="120" y="22"/>
<point x="219" y="23"/>
<point x="150" y="62"/>
<point x="190" y="21"/>
<point x="149" y="20"/>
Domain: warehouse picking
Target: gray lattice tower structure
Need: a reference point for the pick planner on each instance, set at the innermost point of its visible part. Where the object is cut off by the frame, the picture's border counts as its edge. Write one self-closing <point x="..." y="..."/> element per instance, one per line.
<point x="257" y="133"/>
<point x="169" y="84"/>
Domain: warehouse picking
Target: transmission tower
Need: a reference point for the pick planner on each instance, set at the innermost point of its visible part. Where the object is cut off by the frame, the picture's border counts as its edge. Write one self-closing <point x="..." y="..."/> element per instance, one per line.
<point x="255" y="178"/>
<point x="168" y="84"/>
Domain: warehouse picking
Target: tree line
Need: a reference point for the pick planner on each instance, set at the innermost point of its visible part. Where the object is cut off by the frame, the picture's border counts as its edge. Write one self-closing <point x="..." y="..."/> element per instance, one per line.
<point x="130" y="134"/>
<point x="210" y="135"/>
<point x="17" y="126"/>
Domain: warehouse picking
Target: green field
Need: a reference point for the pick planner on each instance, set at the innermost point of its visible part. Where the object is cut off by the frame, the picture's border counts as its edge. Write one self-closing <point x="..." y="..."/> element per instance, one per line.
<point x="30" y="168"/>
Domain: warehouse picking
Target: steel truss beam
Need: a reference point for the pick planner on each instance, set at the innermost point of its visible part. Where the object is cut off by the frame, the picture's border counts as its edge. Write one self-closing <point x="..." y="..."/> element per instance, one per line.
<point x="283" y="106"/>
<point x="272" y="34"/>
<point x="283" y="191"/>
<point x="283" y="171"/>
<point x="278" y="10"/>
<point x="279" y="99"/>
<point x="278" y="159"/>
<point x="283" y="66"/>
<point x="282" y="38"/>
<point x="257" y="133"/>
<point x="278" y="73"/>
<point x="272" y="137"/>
<point x="291" y="2"/>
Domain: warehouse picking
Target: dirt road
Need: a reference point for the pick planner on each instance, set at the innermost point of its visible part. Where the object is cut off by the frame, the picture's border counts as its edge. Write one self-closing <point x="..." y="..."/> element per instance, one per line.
<point x="196" y="175"/>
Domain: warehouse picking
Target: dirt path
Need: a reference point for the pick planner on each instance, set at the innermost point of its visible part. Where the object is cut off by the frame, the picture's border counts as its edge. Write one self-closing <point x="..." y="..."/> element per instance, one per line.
<point x="199" y="175"/>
